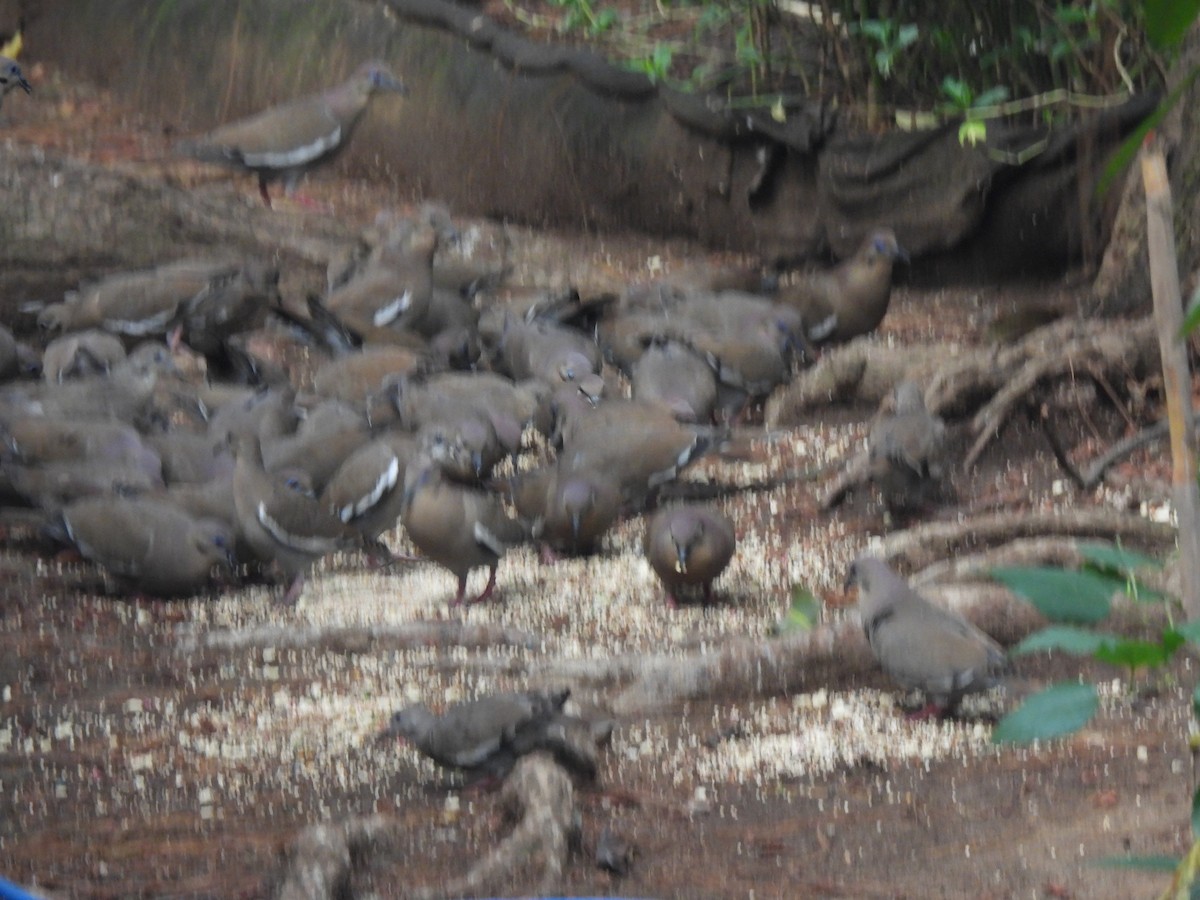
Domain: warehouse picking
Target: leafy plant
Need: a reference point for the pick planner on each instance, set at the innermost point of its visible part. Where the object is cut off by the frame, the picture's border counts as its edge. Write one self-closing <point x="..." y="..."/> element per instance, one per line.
<point x="890" y="39"/>
<point x="962" y="101"/>
<point x="1084" y="597"/>
<point x="582" y="15"/>
<point x="656" y="66"/>
<point x="1071" y="599"/>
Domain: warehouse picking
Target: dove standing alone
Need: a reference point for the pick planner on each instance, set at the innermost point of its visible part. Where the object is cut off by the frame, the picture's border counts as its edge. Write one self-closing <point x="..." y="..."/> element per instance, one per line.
<point x="920" y="645"/>
<point x="689" y="546"/>
<point x="486" y="737"/>
<point x="285" y="141"/>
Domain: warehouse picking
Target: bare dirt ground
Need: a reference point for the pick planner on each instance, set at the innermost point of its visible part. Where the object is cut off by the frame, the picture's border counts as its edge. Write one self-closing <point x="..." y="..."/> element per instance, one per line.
<point x="172" y="749"/>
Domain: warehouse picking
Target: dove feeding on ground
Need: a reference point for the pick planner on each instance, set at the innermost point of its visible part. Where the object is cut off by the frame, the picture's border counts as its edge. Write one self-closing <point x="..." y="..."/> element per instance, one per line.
<point x="921" y="645"/>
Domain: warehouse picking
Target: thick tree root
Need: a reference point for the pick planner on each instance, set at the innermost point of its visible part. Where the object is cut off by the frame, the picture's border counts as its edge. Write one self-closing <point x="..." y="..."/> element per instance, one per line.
<point x="927" y="544"/>
<point x="320" y="863"/>
<point x="541" y="795"/>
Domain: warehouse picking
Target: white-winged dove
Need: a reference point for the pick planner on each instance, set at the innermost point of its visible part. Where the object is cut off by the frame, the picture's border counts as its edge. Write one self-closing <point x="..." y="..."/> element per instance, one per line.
<point x="568" y="511"/>
<point x="393" y="292"/>
<point x="904" y="449"/>
<point x="285" y="141"/>
<point x="688" y="546"/>
<point x="457" y="526"/>
<point x="149" y="544"/>
<point x="281" y="523"/>
<point x="851" y="298"/>
<point x="202" y="301"/>
<point x="921" y="645"/>
<point x="673" y="375"/>
<point x="638" y="445"/>
<point x="485" y="737"/>
<point x="367" y="491"/>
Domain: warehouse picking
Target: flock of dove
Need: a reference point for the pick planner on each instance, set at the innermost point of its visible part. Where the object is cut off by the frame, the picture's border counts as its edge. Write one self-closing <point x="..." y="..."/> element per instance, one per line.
<point x="172" y="484"/>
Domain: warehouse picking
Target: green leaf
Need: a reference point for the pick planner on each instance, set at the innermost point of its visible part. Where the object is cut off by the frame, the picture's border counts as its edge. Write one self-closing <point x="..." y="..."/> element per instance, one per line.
<point x="1192" y="319"/>
<point x="803" y="614"/>
<point x="992" y="96"/>
<point x="877" y="30"/>
<point x="958" y="91"/>
<point x="906" y="36"/>
<point x="1074" y="597"/>
<point x="1142" y="863"/>
<point x="972" y="131"/>
<point x="1063" y="637"/>
<point x="605" y="20"/>
<point x="1116" y="559"/>
<point x="1167" y="21"/>
<point x="1133" y="654"/>
<point x="1196" y="702"/>
<point x="1056" y="711"/>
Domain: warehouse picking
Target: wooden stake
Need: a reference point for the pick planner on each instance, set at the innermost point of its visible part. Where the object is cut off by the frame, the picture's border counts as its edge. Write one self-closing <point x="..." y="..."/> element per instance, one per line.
<point x="1177" y="379"/>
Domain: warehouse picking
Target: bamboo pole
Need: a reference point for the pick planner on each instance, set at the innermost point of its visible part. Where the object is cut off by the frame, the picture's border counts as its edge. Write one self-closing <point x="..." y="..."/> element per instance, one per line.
<point x="1177" y="380"/>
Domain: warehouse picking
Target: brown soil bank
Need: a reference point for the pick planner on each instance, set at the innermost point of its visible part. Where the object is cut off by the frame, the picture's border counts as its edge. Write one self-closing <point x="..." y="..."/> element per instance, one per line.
<point x="499" y="126"/>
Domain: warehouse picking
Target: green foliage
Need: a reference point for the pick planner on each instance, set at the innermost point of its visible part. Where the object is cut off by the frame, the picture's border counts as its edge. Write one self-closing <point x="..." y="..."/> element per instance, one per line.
<point x="1167" y="21"/>
<point x="656" y="66"/>
<point x="581" y="15"/>
<point x="890" y="39"/>
<point x="1067" y="638"/>
<point x="1072" y="597"/>
<point x="1056" y="711"/>
<point x="804" y="613"/>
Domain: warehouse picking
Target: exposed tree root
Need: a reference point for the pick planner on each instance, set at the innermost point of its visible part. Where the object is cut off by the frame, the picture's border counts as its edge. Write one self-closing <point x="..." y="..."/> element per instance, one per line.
<point x="862" y="371"/>
<point x="319" y="863"/>
<point x="358" y="639"/>
<point x="1008" y="377"/>
<point x="540" y="794"/>
<point x="929" y="543"/>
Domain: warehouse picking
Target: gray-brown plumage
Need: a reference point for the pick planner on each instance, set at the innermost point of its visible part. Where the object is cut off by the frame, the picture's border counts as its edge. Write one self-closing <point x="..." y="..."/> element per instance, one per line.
<point x="393" y="292"/>
<point x="81" y="353"/>
<point x="149" y="544"/>
<point x="547" y="351"/>
<point x="638" y="445"/>
<point x="11" y="78"/>
<point x="673" y="375"/>
<point x="464" y="445"/>
<point x="281" y="523"/>
<point x="367" y="491"/>
<point x="206" y="301"/>
<point x="485" y="737"/>
<point x="127" y="393"/>
<point x="688" y="547"/>
<point x="851" y="298"/>
<point x="567" y="511"/>
<point x="457" y="526"/>
<point x="921" y="645"/>
<point x="285" y="141"/>
<point x="356" y="377"/>
<point x="904" y="449"/>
